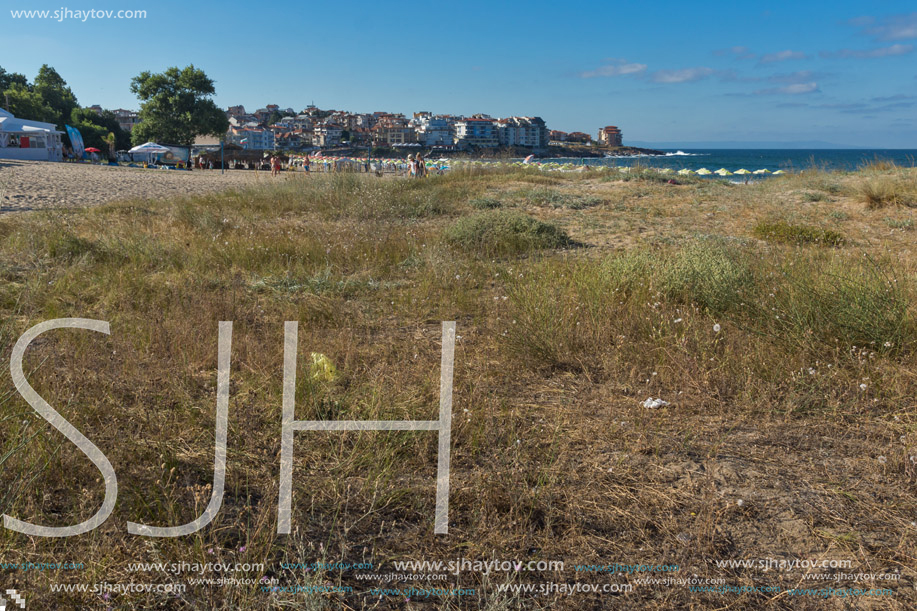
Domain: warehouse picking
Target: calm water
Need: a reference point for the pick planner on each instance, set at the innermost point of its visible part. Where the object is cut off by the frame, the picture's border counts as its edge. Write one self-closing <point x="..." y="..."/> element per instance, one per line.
<point x="755" y="159"/>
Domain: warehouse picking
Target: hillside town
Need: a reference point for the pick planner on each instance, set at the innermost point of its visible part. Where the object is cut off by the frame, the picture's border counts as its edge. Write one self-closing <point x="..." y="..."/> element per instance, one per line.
<point x="275" y="128"/>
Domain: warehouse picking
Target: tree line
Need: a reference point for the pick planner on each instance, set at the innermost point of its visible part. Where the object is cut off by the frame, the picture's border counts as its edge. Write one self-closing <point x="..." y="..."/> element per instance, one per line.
<point x="176" y="106"/>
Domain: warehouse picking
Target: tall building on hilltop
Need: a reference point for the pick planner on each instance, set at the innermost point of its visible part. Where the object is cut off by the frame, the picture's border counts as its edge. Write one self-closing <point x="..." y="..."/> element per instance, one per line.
<point x="610" y="136"/>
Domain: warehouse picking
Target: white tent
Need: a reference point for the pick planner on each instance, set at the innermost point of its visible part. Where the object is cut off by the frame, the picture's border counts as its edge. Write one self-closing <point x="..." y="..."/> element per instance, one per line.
<point x="29" y="140"/>
<point x="151" y="149"/>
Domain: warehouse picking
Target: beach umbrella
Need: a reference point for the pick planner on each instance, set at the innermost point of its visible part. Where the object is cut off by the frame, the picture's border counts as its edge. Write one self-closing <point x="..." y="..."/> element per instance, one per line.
<point x="779" y="172"/>
<point x="762" y="171"/>
<point x="665" y="171"/>
<point x="723" y="172"/>
<point x="743" y="171"/>
<point x="92" y="149"/>
<point x="704" y="172"/>
<point x="685" y="171"/>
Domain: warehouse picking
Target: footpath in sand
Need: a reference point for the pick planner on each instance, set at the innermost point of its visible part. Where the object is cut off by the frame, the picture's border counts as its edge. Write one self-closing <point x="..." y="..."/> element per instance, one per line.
<point x="36" y="185"/>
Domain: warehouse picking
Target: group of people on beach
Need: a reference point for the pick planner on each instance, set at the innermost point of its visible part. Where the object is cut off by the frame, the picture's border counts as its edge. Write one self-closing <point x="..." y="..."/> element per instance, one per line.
<point x="417" y="168"/>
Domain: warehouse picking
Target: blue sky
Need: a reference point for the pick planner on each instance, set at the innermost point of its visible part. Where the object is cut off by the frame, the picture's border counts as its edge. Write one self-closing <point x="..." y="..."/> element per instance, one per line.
<point x="842" y="72"/>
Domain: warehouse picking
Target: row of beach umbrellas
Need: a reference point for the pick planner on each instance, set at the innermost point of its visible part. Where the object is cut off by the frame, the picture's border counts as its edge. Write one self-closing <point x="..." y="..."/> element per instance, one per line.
<point x="725" y="172"/>
<point x="445" y="163"/>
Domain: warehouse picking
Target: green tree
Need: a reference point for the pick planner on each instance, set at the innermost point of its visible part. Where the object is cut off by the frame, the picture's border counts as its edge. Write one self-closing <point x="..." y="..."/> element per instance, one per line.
<point x="54" y="91"/>
<point x="8" y="79"/>
<point x="110" y="140"/>
<point x="274" y="118"/>
<point x="176" y="106"/>
<point x="86" y="118"/>
<point x="95" y="128"/>
<point x="27" y="104"/>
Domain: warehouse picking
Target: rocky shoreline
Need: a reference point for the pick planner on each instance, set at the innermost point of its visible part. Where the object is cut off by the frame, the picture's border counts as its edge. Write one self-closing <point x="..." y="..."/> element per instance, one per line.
<point x="593" y="152"/>
<point x="511" y="152"/>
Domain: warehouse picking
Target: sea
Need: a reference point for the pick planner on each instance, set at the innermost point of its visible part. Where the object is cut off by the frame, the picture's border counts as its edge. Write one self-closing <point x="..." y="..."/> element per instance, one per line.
<point x="788" y="160"/>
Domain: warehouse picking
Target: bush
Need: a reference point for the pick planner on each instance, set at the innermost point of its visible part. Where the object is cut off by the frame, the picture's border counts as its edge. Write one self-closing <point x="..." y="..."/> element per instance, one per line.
<point x="814" y="196"/>
<point x="786" y="233"/>
<point x="714" y="276"/>
<point x="848" y="300"/>
<point x="501" y="232"/>
<point x="485" y="203"/>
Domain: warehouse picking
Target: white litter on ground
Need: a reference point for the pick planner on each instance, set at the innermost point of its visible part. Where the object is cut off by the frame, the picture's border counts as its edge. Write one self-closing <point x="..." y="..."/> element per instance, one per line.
<point x="652" y="403"/>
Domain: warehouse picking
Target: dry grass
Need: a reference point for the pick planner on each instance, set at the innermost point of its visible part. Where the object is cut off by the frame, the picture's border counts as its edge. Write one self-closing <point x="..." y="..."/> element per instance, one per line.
<point x="788" y="367"/>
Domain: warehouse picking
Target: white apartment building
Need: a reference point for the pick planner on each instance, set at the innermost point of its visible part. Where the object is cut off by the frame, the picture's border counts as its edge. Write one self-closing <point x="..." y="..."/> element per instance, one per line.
<point x="476" y="131"/>
<point x="523" y="131"/>
<point x="326" y="134"/>
<point x="433" y="130"/>
<point x="251" y="138"/>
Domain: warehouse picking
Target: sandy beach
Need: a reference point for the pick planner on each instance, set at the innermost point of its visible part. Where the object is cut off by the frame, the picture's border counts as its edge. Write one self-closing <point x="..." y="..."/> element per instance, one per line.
<point x="35" y="185"/>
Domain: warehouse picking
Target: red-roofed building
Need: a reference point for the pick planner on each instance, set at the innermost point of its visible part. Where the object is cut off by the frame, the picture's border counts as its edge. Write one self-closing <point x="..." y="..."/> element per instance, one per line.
<point x="579" y="137"/>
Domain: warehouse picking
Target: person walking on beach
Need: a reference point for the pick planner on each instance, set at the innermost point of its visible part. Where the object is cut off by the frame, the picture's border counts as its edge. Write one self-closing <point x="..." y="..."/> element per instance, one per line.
<point x="421" y="166"/>
<point x="275" y="165"/>
<point x="412" y="166"/>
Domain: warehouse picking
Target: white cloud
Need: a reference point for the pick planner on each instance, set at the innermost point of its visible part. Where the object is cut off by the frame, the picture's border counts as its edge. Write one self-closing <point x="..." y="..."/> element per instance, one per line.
<point x="794" y="89"/>
<point x="800" y="76"/>
<point x="739" y="52"/>
<point x="685" y="75"/>
<point x="897" y="49"/>
<point x="895" y="27"/>
<point x="615" y="67"/>
<point x="782" y="56"/>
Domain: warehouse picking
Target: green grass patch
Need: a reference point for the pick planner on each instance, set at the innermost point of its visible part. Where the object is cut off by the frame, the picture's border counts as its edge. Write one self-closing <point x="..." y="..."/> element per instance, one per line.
<point x="501" y="232"/>
<point x="905" y="224"/>
<point x="782" y="232"/>
<point x="555" y="199"/>
<point x="485" y="203"/>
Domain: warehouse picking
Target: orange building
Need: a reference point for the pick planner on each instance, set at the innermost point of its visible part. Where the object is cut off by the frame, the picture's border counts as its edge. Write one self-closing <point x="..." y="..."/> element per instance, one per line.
<point x="610" y="136"/>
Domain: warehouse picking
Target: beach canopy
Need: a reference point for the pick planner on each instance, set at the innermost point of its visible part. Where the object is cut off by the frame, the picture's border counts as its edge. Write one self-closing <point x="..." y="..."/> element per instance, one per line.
<point x="779" y="172"/>
<point x="723" y="172"/>
<point x="704" y="172"/>
<point x="742" y="171"/>
<point x="685" y="171"/>
<point x="762" y="171"/>
<point x="150" y="147"/>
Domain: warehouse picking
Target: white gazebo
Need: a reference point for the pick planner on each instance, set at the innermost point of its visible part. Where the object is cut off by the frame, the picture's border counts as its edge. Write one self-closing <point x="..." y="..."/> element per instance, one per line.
<point x="29" y="140"/>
